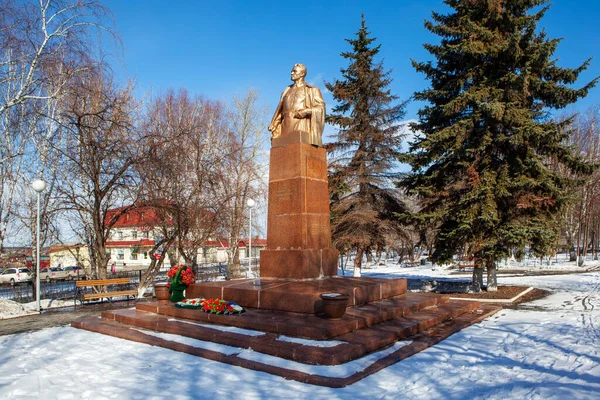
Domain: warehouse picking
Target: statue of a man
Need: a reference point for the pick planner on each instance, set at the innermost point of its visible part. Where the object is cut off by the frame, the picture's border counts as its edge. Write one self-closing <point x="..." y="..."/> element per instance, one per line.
<point x="300" y="109"/>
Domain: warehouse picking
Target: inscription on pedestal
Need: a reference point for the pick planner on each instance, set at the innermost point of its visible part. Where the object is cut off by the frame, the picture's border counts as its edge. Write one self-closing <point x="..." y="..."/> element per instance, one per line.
<point x="318" y="235"/>
<point x="316" y="168"/>
<point x="284" y="192"/>
<point x="318" y="230"/>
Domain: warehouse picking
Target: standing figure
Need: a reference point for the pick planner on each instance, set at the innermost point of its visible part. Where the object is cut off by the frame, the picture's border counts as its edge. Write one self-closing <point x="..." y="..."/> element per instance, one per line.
<point x="300" y="109"/>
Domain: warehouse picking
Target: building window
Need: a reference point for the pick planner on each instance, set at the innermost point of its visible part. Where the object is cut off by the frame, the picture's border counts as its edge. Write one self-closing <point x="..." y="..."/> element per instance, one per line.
<point x="120" y="235"/>
<point x="145" y="234"/>
<point x="134" y="234"/>
<point x="120" y="255"/>
<point x="145" y="255"/>
<point x="134" y="254"/>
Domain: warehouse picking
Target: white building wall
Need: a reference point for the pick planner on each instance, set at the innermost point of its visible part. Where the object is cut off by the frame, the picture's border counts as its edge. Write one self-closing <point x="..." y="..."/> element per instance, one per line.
<point x="124" y="256"/>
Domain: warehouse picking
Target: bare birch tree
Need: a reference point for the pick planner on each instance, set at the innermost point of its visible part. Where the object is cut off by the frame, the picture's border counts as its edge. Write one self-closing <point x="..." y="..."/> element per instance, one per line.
<point x="44" y="44"/>
<point x="243" y="171"/>
<point x="44" y="41"/>
<point x="582" y="218"/>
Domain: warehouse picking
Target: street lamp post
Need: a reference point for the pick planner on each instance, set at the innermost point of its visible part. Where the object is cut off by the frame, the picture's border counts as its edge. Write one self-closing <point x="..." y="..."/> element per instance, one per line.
<point x="38" y="185"/>
<point x="250" y="203"/>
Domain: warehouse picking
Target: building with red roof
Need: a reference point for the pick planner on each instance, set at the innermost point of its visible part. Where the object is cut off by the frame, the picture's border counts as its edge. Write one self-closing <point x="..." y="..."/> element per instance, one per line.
<point x="136" y="229"/>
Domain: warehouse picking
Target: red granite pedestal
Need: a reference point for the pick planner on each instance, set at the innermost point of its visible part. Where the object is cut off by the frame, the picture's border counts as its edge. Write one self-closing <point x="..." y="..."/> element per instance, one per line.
<point x="298" y="230"/>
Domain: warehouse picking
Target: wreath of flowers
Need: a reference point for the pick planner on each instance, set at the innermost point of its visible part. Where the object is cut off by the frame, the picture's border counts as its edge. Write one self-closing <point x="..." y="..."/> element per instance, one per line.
<point x="189" y="303"/>
<point x="212" y="306"/>
<point x="220" y="306"/>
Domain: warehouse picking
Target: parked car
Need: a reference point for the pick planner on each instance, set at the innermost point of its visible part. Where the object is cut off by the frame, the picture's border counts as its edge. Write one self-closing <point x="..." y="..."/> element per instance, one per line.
<point x="74" y="272"/>
<point x="15" y="275"/>
<point x="53" y="274"/>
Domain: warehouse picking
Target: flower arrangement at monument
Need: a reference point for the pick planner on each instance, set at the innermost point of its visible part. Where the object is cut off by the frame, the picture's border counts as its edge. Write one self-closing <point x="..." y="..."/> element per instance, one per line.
<point x="189" y="303"/>
<point x="212" y="306"/>
<point x="220" y="306"/>
<point x="180" y="277"/>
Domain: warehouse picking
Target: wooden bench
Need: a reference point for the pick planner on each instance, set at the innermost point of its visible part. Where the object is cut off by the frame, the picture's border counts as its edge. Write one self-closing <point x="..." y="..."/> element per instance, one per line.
<point x="101" y="290"/>
<point x="463" y="265"/>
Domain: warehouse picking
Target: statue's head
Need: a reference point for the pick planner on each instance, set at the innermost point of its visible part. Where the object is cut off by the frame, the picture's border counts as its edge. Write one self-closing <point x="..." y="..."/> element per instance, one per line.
<point x="298" y="71"/>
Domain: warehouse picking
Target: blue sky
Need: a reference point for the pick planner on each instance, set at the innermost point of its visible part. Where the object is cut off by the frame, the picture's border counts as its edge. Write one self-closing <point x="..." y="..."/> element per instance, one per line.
<point x="221" y="48"/>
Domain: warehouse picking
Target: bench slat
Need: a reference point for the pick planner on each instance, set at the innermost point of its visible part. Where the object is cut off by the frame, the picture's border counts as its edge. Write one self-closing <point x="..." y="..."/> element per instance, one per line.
<point x="88" y="296"/>
<point x="102" y="282"/>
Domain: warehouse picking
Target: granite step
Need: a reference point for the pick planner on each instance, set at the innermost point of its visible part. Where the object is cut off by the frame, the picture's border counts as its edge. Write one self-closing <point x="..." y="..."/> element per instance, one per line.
<point x="304" y="325"/>
<point x="354" y="344"/>
<point x="350" y="346"/>
<point x="343" y="348"/>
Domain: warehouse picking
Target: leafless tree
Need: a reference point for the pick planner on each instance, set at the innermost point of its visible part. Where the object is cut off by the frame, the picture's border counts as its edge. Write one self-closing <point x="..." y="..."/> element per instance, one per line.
<point x="582" y="219"/>
<point x="179" y="176"/>
<point x="242" y="172"/>
<point x="99" y="147"/>
<point x="44" y="44"/>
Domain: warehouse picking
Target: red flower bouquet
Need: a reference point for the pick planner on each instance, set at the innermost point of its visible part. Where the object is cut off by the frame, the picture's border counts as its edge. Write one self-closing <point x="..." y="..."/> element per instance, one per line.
<point x="219" y="306"/>
<point x="180" y="277"/>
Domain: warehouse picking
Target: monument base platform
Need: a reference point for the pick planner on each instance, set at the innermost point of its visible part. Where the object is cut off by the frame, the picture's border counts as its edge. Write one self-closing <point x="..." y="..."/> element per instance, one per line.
<point x="399" y="327"/>
<point x="301" y="296"/>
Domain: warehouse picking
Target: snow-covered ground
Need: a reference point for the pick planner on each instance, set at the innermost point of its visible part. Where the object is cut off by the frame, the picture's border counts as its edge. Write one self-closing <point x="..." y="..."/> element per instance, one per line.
<point x="11" y="309"/>
<point x="548" y="350"/>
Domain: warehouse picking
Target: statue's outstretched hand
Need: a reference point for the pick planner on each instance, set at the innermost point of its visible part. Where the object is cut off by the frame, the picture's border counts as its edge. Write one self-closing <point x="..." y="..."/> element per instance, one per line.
<point x="303" y="113"/>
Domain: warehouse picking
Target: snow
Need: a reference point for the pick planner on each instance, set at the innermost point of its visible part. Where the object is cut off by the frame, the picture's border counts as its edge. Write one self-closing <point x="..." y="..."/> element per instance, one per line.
<point x="11" y="309"/>
<point x="547" y="349"/>
<point x="308" y="342"/>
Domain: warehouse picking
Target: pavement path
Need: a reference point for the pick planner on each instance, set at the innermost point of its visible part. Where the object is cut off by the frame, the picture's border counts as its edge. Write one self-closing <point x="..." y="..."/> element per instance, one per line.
<point x="55" y="317"/>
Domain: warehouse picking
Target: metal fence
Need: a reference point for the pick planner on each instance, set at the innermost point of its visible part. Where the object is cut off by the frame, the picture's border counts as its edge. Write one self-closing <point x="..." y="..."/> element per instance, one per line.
<point x="65" y="290"/>
<point x="23" y="292"/>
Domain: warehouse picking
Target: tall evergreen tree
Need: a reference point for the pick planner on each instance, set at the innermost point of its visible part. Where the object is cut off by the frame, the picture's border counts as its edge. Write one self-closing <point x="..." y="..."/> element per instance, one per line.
<point x="363" y="201"/>
<point x="482" y="161"/>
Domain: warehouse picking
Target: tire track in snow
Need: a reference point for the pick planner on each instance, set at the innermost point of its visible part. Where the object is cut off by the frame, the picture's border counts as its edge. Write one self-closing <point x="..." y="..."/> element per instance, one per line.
<point x="588" y="314"/>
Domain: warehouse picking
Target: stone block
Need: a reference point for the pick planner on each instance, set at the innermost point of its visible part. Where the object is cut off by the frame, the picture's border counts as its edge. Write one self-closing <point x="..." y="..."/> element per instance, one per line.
<point x="317" y="196"/>
<point x="298" y="231"/>
<point x="286" y="197"/>
<point x="284" y="232"/>
<point x="298" y="264"/>
<point x="298" y="160"/>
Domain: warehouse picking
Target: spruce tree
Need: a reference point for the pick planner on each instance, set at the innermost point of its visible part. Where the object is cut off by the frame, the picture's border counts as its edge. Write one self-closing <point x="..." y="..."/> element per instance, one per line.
<point x="365" y="152"/>
<point x="482" y="162"/>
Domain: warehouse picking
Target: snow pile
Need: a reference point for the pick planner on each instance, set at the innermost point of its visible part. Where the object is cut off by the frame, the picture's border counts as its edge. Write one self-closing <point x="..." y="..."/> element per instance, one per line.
<point x="10" y="309"/>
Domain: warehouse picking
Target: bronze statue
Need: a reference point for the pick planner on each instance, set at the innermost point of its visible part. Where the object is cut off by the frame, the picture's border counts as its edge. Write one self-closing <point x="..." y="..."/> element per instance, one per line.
<point x="301" y="109"/>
